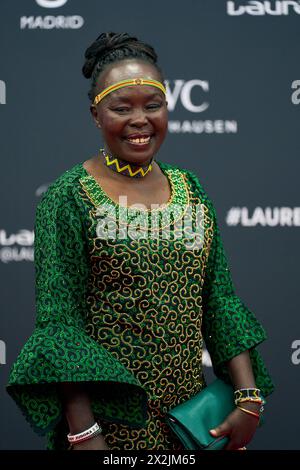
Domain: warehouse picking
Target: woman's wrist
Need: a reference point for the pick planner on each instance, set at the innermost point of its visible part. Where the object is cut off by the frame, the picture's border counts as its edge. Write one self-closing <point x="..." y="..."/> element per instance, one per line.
<point x="252" y="406"/>
<point x="249" y="399"/>
<point x="86" y="434"/>
<point x="77" y="407"/>
<point x="88" y="439"/>
<point x="95" y="443"/>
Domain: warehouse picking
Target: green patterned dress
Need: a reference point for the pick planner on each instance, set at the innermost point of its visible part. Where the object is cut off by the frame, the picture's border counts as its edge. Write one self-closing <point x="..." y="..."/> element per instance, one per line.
<point x="128" y="315"/>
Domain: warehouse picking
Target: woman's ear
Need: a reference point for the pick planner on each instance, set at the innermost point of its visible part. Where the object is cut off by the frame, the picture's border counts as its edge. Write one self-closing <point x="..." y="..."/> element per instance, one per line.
<point x="94" y="113"/>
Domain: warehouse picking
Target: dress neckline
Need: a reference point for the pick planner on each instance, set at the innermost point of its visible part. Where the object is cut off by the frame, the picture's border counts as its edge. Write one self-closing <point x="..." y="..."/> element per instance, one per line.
<point x="99" y="196"/>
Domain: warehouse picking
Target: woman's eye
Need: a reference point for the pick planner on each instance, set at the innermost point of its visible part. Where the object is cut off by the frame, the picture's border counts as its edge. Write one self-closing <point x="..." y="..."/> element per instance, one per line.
<point x="121" y="109"/>
<point x="154" y="106"/>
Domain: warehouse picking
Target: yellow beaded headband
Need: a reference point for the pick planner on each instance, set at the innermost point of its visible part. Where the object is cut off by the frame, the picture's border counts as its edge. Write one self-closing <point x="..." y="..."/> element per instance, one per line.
<point x="128" y="82"/>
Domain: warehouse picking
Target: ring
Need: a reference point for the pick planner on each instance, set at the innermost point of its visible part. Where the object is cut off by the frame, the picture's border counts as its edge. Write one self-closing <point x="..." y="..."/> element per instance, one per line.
<point x="242" y="448"/>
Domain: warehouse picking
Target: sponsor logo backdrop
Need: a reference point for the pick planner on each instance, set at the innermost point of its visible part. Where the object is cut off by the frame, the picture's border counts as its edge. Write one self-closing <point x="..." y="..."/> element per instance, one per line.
<point x="234" y="92"/>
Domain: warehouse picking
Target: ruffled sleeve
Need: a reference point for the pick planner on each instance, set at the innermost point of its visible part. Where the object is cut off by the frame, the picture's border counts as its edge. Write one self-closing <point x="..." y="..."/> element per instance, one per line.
<point x="228" y="326"/>
<point x="59" y="349"/>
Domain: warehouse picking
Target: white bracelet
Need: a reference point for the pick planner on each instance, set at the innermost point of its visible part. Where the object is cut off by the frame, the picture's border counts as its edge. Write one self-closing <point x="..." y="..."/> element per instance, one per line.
<point x="84" y="435"/>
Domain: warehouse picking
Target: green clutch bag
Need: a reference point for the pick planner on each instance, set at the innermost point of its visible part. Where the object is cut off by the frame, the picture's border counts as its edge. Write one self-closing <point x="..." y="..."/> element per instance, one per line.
<point x="192" y="420"/>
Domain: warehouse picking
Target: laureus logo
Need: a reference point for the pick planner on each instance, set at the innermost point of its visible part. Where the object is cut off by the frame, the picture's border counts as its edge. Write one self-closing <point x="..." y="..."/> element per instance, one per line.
<point x="263" y="216"/>
<point x="255" y="8"/>
<point x="16" y="246"/>
<point x="2" y="92"/>
<point x="51" y="3"/>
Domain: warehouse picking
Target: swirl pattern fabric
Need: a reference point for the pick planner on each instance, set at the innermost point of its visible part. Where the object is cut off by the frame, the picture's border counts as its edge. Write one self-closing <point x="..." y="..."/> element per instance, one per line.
<point x="127" y="316"/>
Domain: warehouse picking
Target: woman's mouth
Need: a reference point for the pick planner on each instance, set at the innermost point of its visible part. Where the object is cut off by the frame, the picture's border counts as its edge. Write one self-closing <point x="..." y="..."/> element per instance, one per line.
<point x="138" y="140"/>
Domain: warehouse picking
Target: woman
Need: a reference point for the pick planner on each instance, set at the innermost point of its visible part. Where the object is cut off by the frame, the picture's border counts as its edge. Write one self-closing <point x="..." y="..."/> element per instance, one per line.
<point x="121" y="317"/>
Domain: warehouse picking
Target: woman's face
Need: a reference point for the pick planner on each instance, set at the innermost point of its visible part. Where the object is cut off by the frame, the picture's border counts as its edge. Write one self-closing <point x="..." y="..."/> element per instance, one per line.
<point x="133" y="119"/>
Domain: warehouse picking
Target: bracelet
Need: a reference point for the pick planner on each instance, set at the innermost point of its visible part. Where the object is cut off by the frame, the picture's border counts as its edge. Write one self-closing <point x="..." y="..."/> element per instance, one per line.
<point x="84" y="435"/>
<point x="251" y="400"/>
<point x="248" y="393"/>
<point x="252" y="413"/>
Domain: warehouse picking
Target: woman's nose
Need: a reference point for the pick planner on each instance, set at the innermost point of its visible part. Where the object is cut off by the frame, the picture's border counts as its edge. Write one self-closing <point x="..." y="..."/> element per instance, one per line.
<point x="139" y="118"/>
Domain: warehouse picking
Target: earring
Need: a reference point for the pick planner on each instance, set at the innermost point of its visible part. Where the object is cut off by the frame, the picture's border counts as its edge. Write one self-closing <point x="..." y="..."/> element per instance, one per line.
<point x="98" y="124"/>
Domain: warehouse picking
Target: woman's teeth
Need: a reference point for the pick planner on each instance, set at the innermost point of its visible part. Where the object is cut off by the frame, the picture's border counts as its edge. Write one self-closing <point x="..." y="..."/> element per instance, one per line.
<point x="140" y="140"/>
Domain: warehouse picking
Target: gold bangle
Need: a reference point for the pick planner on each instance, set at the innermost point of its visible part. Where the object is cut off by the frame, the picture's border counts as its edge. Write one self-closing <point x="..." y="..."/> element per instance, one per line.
<point x="252" y="413"/>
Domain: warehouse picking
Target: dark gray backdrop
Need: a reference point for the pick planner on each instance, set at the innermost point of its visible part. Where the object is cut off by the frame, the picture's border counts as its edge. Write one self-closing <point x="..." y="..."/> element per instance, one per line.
<point x="241" y="61"/>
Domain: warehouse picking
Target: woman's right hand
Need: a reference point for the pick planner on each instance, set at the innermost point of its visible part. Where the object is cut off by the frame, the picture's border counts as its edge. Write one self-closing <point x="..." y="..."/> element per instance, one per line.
<point x="95" y="443"/>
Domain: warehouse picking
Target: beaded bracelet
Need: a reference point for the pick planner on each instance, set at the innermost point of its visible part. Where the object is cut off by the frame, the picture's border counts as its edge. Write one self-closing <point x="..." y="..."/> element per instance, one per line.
<point x="249" y="395"/>
<point x="85" y="435"/>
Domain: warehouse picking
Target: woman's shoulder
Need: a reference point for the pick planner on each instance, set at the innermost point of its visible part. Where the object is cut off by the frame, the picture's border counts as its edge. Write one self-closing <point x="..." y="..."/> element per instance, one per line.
<point x="191" y="178"/>
<point x="64" y="182"/>
<point x="63" y="187"/>
<point x="180" y="169"/>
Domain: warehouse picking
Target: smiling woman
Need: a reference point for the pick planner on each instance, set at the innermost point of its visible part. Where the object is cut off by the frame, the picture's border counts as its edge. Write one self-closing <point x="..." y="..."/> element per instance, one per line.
<point x="126" y="296"/>
<point x="133" y="118"/>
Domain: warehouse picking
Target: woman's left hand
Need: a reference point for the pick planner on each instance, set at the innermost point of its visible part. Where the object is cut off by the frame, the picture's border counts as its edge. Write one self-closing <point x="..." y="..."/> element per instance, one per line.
<point x="238" y="426"/>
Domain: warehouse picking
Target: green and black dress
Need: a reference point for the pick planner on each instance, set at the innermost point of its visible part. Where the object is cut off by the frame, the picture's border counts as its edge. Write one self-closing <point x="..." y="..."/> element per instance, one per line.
<point x="127" y="313"/>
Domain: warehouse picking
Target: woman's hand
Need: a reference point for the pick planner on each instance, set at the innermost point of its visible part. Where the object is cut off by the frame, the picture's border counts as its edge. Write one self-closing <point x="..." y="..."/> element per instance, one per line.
<point x="95" y="443"/>
<point x="238" y="426"/>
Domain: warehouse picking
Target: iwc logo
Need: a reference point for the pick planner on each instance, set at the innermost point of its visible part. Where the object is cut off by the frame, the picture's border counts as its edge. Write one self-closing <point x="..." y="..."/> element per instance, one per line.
<point x="192" y="97"/>
<point x="51" y="21"/>
<point x="182" y="90"/>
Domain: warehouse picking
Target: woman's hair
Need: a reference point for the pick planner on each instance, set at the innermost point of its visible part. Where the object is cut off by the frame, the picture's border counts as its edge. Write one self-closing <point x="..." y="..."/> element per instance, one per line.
<point x="114" y="47"/>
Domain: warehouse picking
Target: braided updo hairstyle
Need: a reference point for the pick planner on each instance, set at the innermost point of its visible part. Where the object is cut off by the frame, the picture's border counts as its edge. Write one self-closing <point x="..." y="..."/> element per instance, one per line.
<point x="113" y="47"/>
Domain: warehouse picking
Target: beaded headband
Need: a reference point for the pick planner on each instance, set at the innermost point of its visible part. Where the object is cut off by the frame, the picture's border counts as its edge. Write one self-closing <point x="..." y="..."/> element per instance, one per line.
<point x="129" y="82"/>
